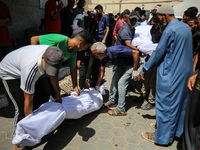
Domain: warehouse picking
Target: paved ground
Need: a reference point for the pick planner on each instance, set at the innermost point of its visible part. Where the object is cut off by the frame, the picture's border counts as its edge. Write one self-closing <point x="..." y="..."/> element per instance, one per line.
<point x="95" y="131"/>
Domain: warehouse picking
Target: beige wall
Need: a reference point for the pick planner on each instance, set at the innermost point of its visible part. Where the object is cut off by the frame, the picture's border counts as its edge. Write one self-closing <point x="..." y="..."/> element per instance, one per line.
<point x="120" y="5"/>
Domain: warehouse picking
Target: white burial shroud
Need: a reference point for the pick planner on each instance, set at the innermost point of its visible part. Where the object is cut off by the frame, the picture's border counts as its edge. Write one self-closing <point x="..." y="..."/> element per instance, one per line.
<point x="142" y="39"/>
<point x="50" y="115"/>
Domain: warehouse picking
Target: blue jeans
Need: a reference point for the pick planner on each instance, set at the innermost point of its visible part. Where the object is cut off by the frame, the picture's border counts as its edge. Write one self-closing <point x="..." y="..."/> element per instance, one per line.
<point x="120" y="82"/>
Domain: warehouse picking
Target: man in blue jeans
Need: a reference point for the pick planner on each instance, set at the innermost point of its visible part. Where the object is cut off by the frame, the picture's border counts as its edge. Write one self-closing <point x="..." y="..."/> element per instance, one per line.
<point x="122" y="57"/>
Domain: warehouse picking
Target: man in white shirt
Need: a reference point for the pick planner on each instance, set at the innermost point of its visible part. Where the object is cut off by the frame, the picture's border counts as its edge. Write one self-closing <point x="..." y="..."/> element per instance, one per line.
<point x="22" y="68"/>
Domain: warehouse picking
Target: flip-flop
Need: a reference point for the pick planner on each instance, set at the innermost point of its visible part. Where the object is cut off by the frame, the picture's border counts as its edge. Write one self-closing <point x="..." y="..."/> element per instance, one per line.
<point x="150" y="136"/>
<point x="153" y="126"/>
<point x="116" y="112"/>
<point x="108" y="104"/>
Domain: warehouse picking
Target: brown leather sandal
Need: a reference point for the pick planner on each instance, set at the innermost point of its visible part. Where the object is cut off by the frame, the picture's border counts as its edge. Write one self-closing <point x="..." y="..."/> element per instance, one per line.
<point x="148" y="136"/>
<point x="108" y="104"/>
<point x="116" y="112"/>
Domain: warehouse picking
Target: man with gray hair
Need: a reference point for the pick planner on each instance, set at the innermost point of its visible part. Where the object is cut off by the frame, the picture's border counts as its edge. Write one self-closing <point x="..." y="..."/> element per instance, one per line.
<point x="122" y="57"/>
<point x="172" y="53"/>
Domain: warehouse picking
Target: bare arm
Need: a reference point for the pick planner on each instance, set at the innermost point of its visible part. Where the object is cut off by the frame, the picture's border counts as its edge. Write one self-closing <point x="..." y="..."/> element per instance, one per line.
<point x="53" y="14"/>
<point x="35" y="40"/>
<point x="5" y="22"/>
<point x="28" y="103"/>
<point x="105" y="37"/>
<point x="115" y="37"/>
<point x="128" y="43"/>
<point x="74" y="80"/>
<point x="191" y="82"/>
<point x="55" y="83"/>
<point x="100" y="76"/>
<point x="195" y="60"/>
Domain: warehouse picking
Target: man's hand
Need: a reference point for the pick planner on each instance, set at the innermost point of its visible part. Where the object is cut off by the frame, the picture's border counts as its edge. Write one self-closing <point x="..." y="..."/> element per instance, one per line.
<point x="79" y="63"/>
<point x="77" y="90"/>
<point x="104" y="41"/>
<point x="59" y="100"/>
<point x="86" y="85"/>
<point x="141" y="77"/>
<point x="60" y="5"/>
<point x="191" y="82"/>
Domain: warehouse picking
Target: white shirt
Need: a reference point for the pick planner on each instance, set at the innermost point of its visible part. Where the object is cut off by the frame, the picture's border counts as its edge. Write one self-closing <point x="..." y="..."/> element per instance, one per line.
<point x="23" y="64"/>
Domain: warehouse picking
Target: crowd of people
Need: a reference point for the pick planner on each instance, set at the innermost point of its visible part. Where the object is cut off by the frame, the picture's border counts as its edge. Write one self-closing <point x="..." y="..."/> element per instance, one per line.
<point x="170" y="74"/>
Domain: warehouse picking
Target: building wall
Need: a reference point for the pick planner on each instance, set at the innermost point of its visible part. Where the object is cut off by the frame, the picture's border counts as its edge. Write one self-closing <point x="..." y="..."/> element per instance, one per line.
<point x="120" y="5"/>
<point x="27" y="14"/>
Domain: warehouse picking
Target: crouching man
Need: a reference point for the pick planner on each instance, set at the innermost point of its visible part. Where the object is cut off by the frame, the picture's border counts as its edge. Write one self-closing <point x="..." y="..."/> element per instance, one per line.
<point x="19" y="72"/>
<point x="121" y="56"/>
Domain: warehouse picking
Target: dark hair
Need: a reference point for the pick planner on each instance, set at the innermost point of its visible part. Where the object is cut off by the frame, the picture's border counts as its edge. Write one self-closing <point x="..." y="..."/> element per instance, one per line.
<point x="137" y="9"/>
<point x="118" y="14"/>
<point x="98" y="7"/>
<point x="80" y="1"/>
<point x="88" y="12"/>
<point x="194" y="19"/>
<point x="191" y="12"/>
<point x="85" y="36"/>
<point x="126" y="12"/>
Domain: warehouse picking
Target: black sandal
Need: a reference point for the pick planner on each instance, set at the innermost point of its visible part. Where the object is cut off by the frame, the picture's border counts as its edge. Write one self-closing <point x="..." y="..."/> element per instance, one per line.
<point x="116" y="112"/>
<point x="108" y="104"/>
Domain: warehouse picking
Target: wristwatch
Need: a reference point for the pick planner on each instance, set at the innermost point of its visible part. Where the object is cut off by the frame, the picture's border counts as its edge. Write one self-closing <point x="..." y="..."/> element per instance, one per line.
<point x="87" y="80"/>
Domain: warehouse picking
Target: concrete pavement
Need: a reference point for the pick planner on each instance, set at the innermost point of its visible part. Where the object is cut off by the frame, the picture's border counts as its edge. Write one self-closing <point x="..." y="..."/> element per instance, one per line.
<point x="95" y="131"/>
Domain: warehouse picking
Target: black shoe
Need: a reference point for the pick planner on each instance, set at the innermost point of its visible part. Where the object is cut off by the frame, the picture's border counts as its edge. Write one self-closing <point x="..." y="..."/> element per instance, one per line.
<point x="148" y="106"/>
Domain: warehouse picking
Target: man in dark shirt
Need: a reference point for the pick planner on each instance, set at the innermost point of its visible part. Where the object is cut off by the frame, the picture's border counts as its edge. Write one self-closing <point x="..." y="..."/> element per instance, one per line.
<point x="122" y="57"/>
<point x="103" y="25"/>
<point x="126" y="34"/>
<point x="67" y="16"/>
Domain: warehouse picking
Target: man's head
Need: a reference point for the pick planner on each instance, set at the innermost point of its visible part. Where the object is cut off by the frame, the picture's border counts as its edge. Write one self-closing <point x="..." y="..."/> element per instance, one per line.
<point x="81" y="3"/>
<point x="138" y="10"/>
<point x="193" y="24"/>
<point x="126" y="14"/>
<point x="133" y="18"/>
<point x="99" y="50"/>
<point x="99" y="9"/>
<point x="84" y="40"/>
<point x="71" y="3"/>
<point x="52" y="60"/>
<point x="165" y="14"/>
<point x="191" y="12"/>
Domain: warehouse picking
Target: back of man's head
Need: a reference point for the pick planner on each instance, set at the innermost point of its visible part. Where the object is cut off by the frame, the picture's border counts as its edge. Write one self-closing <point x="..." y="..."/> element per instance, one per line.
<point x="85" y="36"/>
<point x="98" y="7"/>
<point x="191" y="12"/>
<point x="126" y="12"/>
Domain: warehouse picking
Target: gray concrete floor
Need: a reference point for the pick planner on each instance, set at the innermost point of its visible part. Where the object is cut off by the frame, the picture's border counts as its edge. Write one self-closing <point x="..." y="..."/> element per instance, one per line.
<point x="95" y="131"/>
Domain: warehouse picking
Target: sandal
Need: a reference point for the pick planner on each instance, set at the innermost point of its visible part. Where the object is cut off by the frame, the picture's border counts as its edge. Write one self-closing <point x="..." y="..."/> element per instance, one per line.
<point x="148" y="136"/>
<point x="153" y="126"/>
<point x="108" y="104"/>
<point x="116" y="112"/>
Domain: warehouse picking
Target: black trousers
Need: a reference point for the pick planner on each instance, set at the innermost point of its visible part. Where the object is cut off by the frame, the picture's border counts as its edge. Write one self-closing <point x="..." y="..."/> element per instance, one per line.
<point x="43" y="90"/>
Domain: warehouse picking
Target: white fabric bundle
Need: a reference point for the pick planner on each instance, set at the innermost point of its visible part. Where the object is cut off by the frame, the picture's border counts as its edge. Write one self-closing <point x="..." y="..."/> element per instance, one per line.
<point x="50" y="115"/>
<point x="75" y="21"/>
<point x="142" y="39"/>
<point x="39" y="123"/>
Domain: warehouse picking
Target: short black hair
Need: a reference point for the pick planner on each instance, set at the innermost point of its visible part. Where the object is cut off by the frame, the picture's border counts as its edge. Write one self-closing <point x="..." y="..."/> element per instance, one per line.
<point x="191" y="12"/>
<point x="126" y="12"/>
<point x="85" y="36"/>
<point x="88" y="12"/>
<point x="137" y="9"/>
<point x="98" y="7"/>
<point x="118" y="14"/>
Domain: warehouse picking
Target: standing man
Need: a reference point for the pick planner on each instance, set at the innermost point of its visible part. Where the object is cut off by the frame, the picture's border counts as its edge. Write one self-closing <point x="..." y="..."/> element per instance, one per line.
<point x="67" y="16"/>
<point x="126" y="34"/>
<point x="52" y="16"/>
<point x="5" y="21"/>
<point x="173" y="52"/>
<point x="103" y="25"/>
<point x="69" y="46"/>
<point x="20" y="71"/>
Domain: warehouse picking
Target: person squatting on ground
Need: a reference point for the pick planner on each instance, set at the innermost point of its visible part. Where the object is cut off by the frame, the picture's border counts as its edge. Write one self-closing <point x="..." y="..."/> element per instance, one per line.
<point x="121" y="56"/>
<point x="172" y="53"/>
<point x="69" y="46"/>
